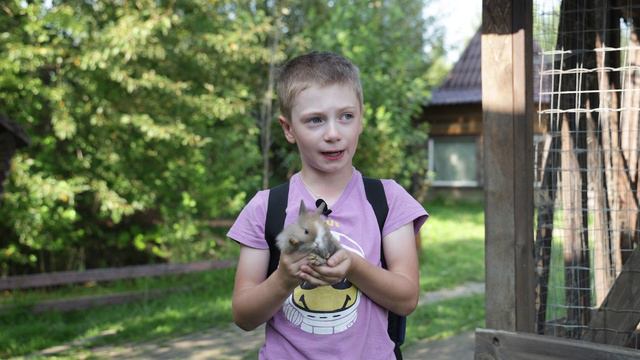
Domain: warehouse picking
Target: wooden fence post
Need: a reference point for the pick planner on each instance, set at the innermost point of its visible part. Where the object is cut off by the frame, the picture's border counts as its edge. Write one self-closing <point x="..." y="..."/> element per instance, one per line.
<point x="507" y="100"/>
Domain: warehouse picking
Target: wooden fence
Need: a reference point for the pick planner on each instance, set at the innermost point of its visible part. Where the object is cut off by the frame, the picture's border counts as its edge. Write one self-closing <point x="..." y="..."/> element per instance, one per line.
<point x="506" y="345"/>
<point x="102" y="275"/>
<point x="108" y="274"/>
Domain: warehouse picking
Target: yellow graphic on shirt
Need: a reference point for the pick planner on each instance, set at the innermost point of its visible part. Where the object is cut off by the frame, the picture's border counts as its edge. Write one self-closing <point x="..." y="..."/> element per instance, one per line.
<point x="325" y="309"/>
<point x="326" y="299"/>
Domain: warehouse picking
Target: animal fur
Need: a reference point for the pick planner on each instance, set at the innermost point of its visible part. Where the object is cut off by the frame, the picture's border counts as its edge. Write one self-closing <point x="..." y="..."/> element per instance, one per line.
<point x="309" y="234"/>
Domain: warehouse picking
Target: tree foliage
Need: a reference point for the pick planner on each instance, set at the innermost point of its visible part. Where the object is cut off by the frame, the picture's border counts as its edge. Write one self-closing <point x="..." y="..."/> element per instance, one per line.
<point x="143" y="116"/>
<point x="386" y="39"/>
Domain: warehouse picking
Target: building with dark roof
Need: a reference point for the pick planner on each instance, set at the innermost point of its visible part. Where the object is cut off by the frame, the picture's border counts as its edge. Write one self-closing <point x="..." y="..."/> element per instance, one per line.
<point x="454" y="114"/>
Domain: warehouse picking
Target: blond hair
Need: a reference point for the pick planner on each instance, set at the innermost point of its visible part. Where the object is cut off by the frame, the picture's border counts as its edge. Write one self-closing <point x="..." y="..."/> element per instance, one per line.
<point x="314" y="68"/>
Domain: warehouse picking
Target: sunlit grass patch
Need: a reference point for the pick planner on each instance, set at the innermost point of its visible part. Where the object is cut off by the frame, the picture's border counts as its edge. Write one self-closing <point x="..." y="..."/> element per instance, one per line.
<point x="445" y="318"/>
<point x="206" y="304"/>
<point x="452" y="245"/>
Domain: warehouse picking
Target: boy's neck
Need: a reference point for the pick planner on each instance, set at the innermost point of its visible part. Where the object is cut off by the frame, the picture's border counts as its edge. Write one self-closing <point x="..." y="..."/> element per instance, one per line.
<point x="329" y="187"/>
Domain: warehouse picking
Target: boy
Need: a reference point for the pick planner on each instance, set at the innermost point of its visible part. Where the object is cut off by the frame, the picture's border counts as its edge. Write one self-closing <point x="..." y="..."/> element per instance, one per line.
<point x="343" y="314"/>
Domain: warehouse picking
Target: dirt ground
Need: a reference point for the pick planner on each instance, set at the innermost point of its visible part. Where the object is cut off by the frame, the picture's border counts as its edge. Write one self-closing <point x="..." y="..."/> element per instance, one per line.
<point x="216" y="344"/>
<point x="459" y="347"/>
<point x="232" y="343"/>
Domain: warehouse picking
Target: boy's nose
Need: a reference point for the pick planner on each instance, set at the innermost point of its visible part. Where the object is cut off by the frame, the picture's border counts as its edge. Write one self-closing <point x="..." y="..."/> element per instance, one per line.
<point x="331" y="133"/>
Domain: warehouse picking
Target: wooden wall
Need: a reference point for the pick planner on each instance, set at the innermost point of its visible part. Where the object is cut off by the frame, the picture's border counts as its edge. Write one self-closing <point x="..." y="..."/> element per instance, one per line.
<point x="453" y="120"/>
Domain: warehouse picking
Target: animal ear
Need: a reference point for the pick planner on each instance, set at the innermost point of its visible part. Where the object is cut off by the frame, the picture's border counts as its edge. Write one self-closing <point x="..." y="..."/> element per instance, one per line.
<point x="321" y="208"/>
<point x="303" y="209"/>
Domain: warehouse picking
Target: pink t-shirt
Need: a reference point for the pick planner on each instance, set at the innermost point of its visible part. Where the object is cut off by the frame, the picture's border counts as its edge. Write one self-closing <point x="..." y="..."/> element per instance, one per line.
<point x="339" y="321"/>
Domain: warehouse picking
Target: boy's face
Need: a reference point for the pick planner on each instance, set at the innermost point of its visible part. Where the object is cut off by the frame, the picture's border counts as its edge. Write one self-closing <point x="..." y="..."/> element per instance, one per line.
<point x="325" y="123"/>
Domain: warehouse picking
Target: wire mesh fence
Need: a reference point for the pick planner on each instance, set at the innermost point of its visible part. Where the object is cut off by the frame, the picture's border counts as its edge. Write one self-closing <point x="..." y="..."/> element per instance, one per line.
<point x="587" y="161"/>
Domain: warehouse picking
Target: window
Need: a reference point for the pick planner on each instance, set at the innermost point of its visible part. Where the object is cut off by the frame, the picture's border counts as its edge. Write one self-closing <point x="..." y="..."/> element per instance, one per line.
<point x="453" y="161"/>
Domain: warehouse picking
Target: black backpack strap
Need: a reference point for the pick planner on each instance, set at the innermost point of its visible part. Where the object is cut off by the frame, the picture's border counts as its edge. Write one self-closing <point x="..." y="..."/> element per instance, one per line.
<point x="374" y="190"/>
<point x="378" y="200"/>
<point x="276" y="213"/>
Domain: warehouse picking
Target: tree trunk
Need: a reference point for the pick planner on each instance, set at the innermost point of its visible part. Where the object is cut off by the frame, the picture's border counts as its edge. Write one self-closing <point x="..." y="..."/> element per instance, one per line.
<point x="573" y="159"/>
<point x="629" y="140"/>
<point x="544" y="233"/>
<point x="575" y="244"/>
<point x="603" y="276"/>
<point x="266" y="108"/>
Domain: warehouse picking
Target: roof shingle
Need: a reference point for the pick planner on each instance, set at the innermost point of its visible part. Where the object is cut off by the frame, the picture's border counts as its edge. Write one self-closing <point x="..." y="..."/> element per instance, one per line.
<point x="463" y="84"/>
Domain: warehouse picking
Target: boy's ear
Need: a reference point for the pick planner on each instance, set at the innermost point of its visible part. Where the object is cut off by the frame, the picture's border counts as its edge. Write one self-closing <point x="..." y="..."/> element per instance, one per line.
<point x="286" y="127"/>
<point x="361" y="119"/>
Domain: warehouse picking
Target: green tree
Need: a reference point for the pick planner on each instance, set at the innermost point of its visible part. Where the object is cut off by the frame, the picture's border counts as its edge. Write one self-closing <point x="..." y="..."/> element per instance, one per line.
<point x="149" y="118"/>
<point x="387" y="40"/>
<point x="135" y="112"/>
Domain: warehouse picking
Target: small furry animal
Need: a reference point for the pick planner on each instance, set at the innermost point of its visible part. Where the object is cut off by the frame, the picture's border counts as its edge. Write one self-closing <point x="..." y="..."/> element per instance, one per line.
<point x="309" y="233"/>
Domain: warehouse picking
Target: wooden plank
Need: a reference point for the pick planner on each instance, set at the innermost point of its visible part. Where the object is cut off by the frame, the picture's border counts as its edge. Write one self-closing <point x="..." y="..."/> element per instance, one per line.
<point x="522" y="20"/>
<point x="618" y="316"/>
<point x="87" y="302"/>
<point x="507" y="101"/>
<point x="221" y="223"/>
<point x="503" y="345"/>
<point x="454" y="130"/>
<point x="454" y="120"/>
<point x="110" y="274"/>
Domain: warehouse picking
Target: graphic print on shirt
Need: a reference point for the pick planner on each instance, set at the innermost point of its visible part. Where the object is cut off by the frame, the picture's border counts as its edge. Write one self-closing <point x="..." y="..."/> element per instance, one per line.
<point x="326" y="309"/>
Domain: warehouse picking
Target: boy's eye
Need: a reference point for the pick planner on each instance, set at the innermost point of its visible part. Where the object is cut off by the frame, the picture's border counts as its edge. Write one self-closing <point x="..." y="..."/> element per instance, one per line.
<point x="314" y="120"/>
<point x="347" y="116"/>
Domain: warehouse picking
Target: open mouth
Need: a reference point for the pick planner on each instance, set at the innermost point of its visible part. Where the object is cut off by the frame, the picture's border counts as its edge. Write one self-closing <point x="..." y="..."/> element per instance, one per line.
<point x="333" y="155"/>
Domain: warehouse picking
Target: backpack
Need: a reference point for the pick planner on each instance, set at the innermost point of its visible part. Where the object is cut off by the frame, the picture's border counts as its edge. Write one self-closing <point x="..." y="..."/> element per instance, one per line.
<point x="276" y="212"/>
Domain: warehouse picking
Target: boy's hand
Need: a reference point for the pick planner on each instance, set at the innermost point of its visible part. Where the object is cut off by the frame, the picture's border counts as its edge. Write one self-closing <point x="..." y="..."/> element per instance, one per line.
<point x="289" y="268"/>
<point x="336" y="269"/>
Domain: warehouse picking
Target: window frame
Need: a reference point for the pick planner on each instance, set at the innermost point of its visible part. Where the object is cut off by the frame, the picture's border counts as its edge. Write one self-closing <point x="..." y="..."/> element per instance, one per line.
<point x="453" y="183"/>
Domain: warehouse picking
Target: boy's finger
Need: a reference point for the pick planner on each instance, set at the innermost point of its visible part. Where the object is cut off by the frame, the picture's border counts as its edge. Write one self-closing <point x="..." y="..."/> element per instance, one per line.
<point x="298" y="256"/>
<point x="312" y="280"/>
<point x="310" y="271"/>
<point x="337" y="258"/>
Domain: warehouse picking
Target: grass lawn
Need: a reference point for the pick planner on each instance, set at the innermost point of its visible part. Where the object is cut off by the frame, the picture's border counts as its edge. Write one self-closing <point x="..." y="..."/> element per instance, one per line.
<point x="445" y="318"/>
<point x="453" y="253"/>
<point x="452" y="245"/>
<point x="206" y="304"/>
